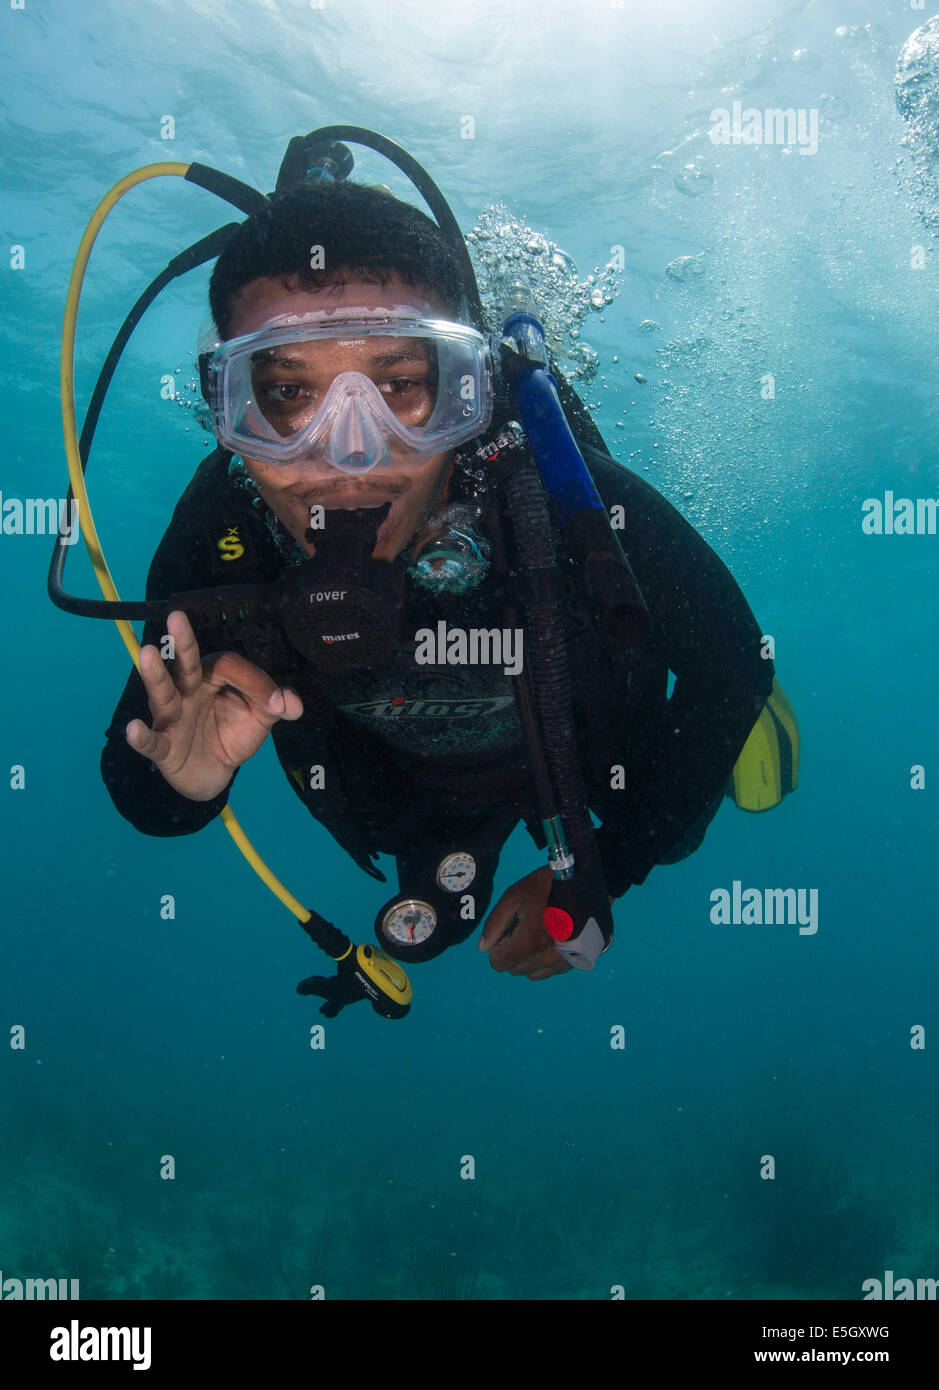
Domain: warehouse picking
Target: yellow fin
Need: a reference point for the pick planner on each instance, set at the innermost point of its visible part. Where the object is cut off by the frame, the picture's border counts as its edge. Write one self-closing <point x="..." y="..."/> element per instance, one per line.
<point x="768" y="766"/>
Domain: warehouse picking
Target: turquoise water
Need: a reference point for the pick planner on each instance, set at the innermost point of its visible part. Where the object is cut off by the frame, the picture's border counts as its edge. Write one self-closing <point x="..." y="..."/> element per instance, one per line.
<point x="594" y="1167"/>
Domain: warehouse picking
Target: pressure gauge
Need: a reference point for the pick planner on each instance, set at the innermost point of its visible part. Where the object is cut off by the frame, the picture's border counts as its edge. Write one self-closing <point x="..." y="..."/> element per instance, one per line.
<point x="408" y="922"/>
<point x="456" y="872"/>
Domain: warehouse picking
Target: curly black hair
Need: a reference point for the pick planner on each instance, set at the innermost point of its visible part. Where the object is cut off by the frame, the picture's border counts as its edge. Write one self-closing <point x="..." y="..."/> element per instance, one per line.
<point x="360" y="228"/>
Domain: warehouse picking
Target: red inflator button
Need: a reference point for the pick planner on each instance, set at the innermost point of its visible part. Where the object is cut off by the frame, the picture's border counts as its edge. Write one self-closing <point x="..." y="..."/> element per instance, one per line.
<point x="560" y="924"/>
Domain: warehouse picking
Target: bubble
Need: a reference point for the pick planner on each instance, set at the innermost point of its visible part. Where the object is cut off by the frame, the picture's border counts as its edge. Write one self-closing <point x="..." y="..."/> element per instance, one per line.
<point x="860" y="33"/>
<point x="833" y="108"/>
<point x="693" y="181"/>
<point x="685" y="268"/>
<point x="563" y="261"/>
<point x="640" y="378"/>
<point x="917" y="80"/>
<point x="917" y="95"/>
<point x="587" y="360"/>
<point x="650" y="326"/>
<point x="806" y="59"/>
<point x="502" y="247"/>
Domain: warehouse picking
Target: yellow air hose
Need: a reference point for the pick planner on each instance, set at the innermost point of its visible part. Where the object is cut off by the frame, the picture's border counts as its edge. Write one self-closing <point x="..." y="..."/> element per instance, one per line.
<point x="86" y="520"/>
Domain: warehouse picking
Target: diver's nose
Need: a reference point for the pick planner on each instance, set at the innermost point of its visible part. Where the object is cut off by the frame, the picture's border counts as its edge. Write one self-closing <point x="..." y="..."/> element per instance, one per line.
<point x="355" y="442"/>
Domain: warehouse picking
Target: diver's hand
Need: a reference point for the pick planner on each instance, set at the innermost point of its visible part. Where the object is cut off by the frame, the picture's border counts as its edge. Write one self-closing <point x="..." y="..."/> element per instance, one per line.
<point x="525" y="948"/>
<point x="209" y="717"/>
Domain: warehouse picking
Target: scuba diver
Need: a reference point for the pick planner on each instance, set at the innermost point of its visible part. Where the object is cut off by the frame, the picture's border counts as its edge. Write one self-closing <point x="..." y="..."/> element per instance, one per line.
<point x="440" y="642"/>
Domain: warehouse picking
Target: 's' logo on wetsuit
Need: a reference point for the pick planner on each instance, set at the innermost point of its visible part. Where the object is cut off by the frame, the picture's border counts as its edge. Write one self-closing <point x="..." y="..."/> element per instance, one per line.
<point x="230" y="547"/>
<point x="398" y="708"/>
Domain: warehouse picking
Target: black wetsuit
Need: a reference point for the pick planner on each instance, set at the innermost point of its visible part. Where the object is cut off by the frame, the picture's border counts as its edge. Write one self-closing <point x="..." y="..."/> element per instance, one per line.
<point x="416" y="760"/>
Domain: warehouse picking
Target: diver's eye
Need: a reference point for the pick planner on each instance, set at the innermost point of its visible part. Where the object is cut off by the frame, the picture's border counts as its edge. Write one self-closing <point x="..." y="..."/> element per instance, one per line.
<point x="280" y="394"/>
<point x="401" y="385"/>
<point x="409" y="397"/>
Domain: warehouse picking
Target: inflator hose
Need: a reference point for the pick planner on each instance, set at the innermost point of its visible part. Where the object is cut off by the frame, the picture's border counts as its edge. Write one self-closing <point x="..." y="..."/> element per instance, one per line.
<point x="548" y="661"/>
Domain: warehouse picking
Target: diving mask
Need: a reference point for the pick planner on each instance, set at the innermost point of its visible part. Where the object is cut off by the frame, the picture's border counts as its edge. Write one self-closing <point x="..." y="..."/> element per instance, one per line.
<point x="350" y="387"/>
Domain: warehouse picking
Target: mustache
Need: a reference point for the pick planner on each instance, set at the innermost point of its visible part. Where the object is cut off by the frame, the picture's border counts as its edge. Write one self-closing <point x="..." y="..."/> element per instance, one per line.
<point x="320" y="493"/>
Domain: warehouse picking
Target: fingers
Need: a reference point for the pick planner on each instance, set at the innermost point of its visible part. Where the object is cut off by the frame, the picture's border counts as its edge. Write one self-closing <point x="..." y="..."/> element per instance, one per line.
<point x="148" y="742"/>
<point x="293" y="705"/>
<point x="164" y="698"/>
<point x="559" y="968"/>
<point x="525" y="947"/>
<point x="268" y="701"/>
<point x="542" y="966"/>
<point x="536" y="959"/>
<point x="502" y="919"/>
<point x="170" y="694"/>
<point x="165" y="691"/>
<point x="515" y="936"/>
<point x="538" y="964"/>
<point x="188" y="669"/>
<point x="516" y="903"/>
